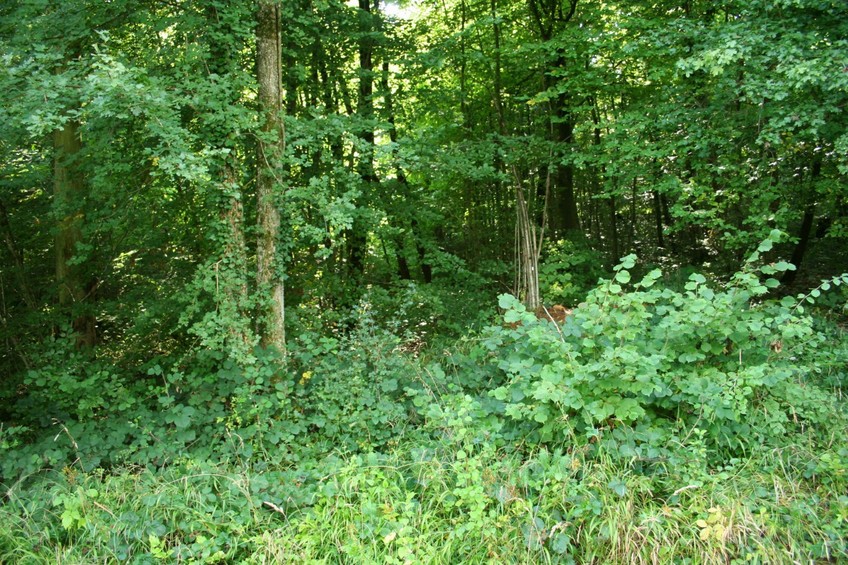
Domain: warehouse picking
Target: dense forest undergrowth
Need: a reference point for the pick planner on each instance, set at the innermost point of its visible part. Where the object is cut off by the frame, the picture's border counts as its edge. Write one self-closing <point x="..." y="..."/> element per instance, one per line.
<point x="475" y="281"/>
<point x="703" y="423"/>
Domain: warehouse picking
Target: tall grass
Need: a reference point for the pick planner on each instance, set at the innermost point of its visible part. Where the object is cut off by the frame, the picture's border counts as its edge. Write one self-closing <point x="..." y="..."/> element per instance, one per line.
<point x="441" y="503"/>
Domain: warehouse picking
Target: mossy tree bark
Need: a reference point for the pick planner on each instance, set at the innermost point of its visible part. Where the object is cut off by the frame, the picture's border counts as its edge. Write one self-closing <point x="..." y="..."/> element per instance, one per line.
<point x="269" y="271"/>
<point x="68" y="196"/>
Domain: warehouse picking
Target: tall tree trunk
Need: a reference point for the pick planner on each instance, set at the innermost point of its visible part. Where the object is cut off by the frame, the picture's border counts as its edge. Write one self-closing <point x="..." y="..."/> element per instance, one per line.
<point x="548" y="16"/>
<point x="614" y="245"/>
<point x="806" y="226"/>
<point x="357" y="239"/>
<point x="497" y="98"/>
<point x="565" y="202"/>
<point x="269" y="272"/>
<point x="527" y="245"/>
<point x="463" y="69"/>
<point x="412" y="224"/>
<point x="68" y="192"/>
<point x="232" y="268"/>
<point x="658" y="219"/>
<point x="400" y="256"/>
<point x="231" y="271"/>
<point x="631" y="244"/>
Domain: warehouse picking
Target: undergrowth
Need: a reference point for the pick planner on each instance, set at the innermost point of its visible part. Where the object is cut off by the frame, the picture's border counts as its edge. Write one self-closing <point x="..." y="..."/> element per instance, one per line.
<point x="702" y="424"/>
<point x="443" y="502"/>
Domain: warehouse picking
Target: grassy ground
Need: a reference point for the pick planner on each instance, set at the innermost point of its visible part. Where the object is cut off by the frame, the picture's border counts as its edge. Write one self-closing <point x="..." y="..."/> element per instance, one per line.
<point x="396" y="457"/>
<point x="446" y="502"/>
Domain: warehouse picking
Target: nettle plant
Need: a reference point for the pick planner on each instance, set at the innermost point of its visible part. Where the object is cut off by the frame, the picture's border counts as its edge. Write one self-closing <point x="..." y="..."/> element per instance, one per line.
<point x="722" y="357"/>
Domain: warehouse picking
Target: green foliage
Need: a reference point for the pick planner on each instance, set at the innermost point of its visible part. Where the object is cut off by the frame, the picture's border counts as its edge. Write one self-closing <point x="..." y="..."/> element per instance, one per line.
<point x="725" y="359"/>
<point x="69" y="384"/>
<point x="444" y="501"/>
<point x="568" y="271"/>
<point x="351" y="390"/>
<point x="692" y="420"/>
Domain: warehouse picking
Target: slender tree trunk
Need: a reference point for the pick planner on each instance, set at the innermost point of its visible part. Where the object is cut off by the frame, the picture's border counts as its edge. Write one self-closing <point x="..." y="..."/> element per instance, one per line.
<point x="357" y="239"/>
<point x="528" y="241"/>
<point x="463" y="69"/>
<point x="631" y="244"/>
<point x="231" y="270"/>
<point x="567" y="218"/>
<point x="549" y="16"/>
<point x="666" y="214"/>
<point x="403" y="264"/>
<point x="330" y="100"/>
<point x="801" y="247"/>
<point x="68" y="192"/>
<point x="658" y="218"/>
<point x="17" y="257"/>
<point x="269" y="272"/>
<point x="365" y="102"/>
<point x="806" y="228"/>
<point x="614" y="245"/>
<point x="497" y="99"/>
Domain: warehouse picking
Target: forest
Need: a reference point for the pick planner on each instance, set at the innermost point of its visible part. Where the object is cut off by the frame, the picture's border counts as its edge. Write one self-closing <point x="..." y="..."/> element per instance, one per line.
<point x="417" y="281"/>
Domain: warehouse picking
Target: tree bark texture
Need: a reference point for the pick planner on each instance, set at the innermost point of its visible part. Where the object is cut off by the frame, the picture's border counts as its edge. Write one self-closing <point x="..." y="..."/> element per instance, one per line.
<point x="357" y="238"/>
<point x="68" y="194"/>
<point x="549" y="16"/>
<point x="269" y="274"/>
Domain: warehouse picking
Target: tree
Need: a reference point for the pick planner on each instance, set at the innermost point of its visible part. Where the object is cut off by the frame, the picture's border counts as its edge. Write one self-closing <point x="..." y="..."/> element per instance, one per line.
<point x="551" y="19"/>
<point x="68" y="194"/>
<point x="269" y="271"/>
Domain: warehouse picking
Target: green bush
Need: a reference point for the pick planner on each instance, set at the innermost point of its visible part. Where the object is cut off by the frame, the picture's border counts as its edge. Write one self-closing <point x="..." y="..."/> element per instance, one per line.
<point x="568" y="271"/>
<point x="350" y="390"/>
<point x="726" y="359"/>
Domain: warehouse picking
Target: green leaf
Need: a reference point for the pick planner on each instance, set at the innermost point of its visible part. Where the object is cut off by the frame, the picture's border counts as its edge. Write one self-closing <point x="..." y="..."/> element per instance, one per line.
<point x="650" y="278"/>
<point x="512" y="316"/>
<point x="618" y="486"/>
<point x="628" y="262"/>
<point x="697" y="278"/>
<point x="183" y="415"/>
<point x="389" y="385"/>
<point x="560" y="543"/>
<point x="509" y="302"/>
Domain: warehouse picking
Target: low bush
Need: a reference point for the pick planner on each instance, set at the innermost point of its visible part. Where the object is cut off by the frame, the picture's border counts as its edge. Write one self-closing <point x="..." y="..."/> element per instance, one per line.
<point x="445" y="501"/>
<point x="724" y="358"/>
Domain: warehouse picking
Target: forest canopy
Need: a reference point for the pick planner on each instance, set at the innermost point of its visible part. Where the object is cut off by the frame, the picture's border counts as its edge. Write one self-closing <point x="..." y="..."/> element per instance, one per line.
<point x="305" y="239"/>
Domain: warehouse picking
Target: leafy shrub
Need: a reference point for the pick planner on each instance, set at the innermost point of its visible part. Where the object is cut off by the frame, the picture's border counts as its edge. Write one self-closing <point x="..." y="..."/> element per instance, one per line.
<point x="420" y="312"/>
<point x="86" y="411"/>
<point x="568" y="271"/>
<point x="68" y="383"/>
<point x="411" y="311"/>
<point x="350" y="389"/>
<point x="725" y="359"/>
